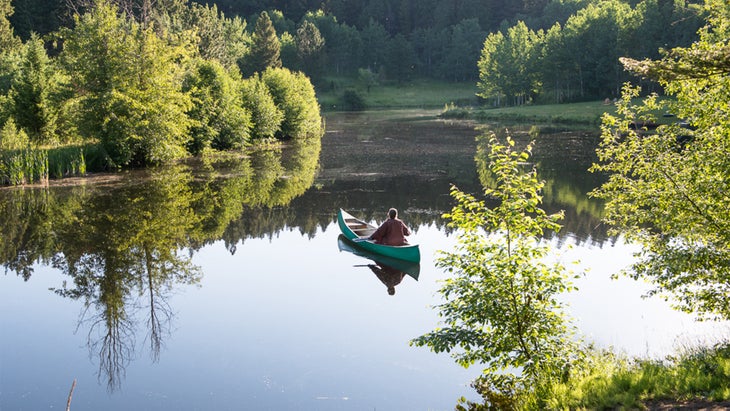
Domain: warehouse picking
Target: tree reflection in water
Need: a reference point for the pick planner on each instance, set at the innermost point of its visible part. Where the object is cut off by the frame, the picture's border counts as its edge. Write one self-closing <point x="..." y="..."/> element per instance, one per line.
<point x="125" y="243"/>
<point x="125" y="247"/>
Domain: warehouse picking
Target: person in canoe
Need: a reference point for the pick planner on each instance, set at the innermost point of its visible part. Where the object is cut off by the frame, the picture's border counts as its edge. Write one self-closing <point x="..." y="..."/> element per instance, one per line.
<point x="392" y="232"/>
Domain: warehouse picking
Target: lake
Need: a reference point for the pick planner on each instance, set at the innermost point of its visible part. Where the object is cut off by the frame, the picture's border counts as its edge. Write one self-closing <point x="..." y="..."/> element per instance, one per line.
<point x="219" y="284"/>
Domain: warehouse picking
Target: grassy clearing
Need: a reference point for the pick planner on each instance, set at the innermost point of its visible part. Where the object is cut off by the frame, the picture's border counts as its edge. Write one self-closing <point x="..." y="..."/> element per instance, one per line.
<point x="584" y="113"/>
<point x="414" y="94"/>
<point x="458" y="100"/>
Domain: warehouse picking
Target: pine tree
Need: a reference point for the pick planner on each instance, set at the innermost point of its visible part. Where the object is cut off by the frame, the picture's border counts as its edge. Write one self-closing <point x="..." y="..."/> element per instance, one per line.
<point x="7" y="36"/>
<point x="31" y="93"/>
<point x="266" y="48"/>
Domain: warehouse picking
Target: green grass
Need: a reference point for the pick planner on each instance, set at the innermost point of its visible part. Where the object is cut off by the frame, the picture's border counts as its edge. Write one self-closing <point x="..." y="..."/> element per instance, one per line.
<point x="33" y="165"/>
<point x="584" y="113"/>
<point x="607" y="381"/>
<point x="414" y="94"/>
<point x="458" y="101"/>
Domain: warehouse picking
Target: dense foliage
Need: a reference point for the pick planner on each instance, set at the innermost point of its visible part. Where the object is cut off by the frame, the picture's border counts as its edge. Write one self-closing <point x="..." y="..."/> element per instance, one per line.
<point x="501" y="305"/>
<point x="578" y="59"/>
<point x="7" y="35"/>
<point x="573" y="45"/>
<point x="147" y="84"/>
<point x="667" y="189"/>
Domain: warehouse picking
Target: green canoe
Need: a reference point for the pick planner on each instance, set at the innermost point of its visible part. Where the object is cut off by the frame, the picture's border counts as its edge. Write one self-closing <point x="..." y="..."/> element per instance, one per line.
<point x="409" y="267"/>
<point x="357" y="231"/>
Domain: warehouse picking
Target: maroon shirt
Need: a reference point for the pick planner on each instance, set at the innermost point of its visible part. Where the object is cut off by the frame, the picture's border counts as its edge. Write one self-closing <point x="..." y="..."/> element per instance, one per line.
<point x="391" y="232"/>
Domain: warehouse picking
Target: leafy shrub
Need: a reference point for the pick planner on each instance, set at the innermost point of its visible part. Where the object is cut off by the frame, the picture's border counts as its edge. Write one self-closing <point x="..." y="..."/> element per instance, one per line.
<point x="265" y="115"/>
<point x="352" y="100"/>
<point x="294" y="94"/>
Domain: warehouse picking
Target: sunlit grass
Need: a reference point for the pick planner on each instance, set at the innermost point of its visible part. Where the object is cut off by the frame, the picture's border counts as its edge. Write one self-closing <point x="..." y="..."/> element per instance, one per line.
<point x="586" y="113"/>
<point x="412" y="94"/>
<point x="608" y="381"/>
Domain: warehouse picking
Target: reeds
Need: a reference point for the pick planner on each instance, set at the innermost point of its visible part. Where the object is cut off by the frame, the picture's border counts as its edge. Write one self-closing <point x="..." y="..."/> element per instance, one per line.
<point x="24" y="166"/>
<point x="36" y="165"/>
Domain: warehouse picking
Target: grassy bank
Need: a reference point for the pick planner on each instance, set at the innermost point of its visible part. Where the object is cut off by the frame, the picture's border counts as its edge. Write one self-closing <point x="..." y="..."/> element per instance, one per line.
<point x="584" y="113"/>
<point x="457" y="99"/>
<point x="694" y="376"/>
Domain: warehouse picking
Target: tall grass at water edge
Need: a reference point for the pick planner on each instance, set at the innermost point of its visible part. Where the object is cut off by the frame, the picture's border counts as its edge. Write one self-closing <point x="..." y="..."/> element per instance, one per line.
<point x="36" y="165"/>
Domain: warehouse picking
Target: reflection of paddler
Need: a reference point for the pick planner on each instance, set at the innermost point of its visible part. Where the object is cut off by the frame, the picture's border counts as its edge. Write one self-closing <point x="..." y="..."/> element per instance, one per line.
<point x="387" y="275"/>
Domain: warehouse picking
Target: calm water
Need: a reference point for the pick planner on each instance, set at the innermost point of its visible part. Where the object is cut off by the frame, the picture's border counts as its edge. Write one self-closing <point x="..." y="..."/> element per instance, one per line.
<point x="221" y="285"/>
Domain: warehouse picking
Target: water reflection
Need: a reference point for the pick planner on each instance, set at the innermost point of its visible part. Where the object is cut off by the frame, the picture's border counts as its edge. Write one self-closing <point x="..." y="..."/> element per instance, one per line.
<point x="127" y="242"/>
<point x="390" y="271"/>
<point x="125" y="245"/>
<point x="562" y="159"/>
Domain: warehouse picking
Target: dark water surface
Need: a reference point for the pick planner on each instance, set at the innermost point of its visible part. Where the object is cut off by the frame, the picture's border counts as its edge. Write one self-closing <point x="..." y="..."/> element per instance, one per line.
<point x="220" y="285"/>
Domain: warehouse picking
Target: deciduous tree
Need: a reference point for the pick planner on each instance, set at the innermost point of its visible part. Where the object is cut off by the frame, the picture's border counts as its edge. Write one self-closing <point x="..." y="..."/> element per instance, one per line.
<point x="129" y="86"/>
<point x="220" y="120"/>
<point x="294" y="95"/>
<point x="266" y="116"/>
<point x="668" y="190"/>
<point x="501" y="305"/>
<point x="508" y="64"/>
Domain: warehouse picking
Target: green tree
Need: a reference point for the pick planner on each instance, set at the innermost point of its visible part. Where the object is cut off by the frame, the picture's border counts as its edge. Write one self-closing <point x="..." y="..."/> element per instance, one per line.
<point x="596" y="37"/>
<point x="129" y="87"/>
<point x="344" y="49"/>
<point x="431" y="47"/>
<point x="400" y="59"/>
<point x="501" y="304"/>
<point x="508" y="64"/>
<point x="216" y="37"/>
<point x="12" y="137"/>
<point x="294" y="95"/>
<point x="374" y="45"/>
<point x="668" y="190"/>
<point x="7" y="36"/>
<point x="466" y="40"/>
<point x="265" y="49"/>
<point x="310" y="46"/>
<point x="556" y="65"/>
<point x="210" y="27"/>
<point x="367" y="78"/>
<point x="220" y="120"/>
<point x="32" y="93"/>
<point x="289" y="57"/>
<point x="265" y="115"/>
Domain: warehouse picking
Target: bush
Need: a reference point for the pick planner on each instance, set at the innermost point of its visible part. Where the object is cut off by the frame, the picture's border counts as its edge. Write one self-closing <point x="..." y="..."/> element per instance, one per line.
<point x="220" y="121"/>
<point x="352" y="100"/>
<point x="294" y="94"/>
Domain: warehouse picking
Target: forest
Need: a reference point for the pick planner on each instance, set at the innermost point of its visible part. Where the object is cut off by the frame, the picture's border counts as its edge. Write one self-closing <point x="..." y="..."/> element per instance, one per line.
<point x="563" y="50"/>
<point x="135" y="87"/>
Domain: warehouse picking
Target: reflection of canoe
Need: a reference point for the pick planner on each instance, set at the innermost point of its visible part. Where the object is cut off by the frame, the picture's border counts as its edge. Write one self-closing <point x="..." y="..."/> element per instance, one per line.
<point x="408" y="267"/>
<point x="355" y="229"/>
